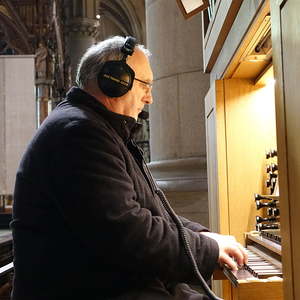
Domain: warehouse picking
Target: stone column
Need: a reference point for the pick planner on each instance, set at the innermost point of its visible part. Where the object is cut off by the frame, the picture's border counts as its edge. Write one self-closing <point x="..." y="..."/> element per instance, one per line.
<point x="80" y="37"/>
<point x="81" y="30"/>
<point x="177" y="124"/>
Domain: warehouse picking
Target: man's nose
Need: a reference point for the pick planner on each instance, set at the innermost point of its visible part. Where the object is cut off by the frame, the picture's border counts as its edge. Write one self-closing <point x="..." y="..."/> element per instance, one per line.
<point x="149" y="98"/>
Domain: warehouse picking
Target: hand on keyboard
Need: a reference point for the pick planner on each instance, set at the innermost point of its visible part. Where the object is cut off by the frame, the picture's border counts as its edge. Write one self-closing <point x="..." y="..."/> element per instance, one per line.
<point x="231" y="253"/>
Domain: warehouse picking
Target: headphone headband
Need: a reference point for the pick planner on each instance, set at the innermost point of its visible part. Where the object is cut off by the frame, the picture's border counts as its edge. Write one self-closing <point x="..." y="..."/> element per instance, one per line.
<point x="128" y="46"/>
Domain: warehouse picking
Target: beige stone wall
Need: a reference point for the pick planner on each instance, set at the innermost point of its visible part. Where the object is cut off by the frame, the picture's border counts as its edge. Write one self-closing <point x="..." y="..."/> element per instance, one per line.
<point x="177" y="124"/>
<point x="177" y="114"/>
<point x="17" y="114"/>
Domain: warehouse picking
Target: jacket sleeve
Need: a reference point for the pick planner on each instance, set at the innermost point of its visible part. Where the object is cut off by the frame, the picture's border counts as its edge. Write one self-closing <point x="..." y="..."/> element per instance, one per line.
<point x="194" y="226"/>
<point x="97" y="199"/>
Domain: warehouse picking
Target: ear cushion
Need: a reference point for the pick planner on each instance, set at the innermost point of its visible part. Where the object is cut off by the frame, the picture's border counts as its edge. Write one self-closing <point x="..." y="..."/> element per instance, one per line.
<point x="115" y="78"/>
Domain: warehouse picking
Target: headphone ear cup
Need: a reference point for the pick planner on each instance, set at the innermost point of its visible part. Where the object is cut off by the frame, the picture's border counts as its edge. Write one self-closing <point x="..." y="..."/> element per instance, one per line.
<point x="115" y="78"/>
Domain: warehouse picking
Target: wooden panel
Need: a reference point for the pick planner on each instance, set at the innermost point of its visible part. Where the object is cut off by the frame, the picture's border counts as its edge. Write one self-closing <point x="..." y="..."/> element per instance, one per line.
<point x="217" y="168"/>
<point x="222" y="158"/>
<point x="285" y="33"/>
<point x="216" y="158"/>
<point x="247" y="40"/>
<point x="225" y="13"/>
<point x="211" y="150"/>
<point x="258" y="291"/>
<point x="240" y="128"/>
<point x="250" y="69"/>
<point x="291" y="61"/>
<point x="250" y="63"/>
<point x="250" y="132"/>
<point x="240" y="28"/>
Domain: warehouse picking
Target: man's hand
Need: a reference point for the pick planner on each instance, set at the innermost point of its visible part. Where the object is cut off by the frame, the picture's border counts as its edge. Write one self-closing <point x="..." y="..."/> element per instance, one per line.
<point x="231" y="253"/>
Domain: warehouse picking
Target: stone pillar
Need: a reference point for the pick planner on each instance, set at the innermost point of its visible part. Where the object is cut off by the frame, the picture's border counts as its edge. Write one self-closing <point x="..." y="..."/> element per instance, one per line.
<point x="81" y="30"/>
<point x="80" y="38"/>
<point x="177" y="124"/>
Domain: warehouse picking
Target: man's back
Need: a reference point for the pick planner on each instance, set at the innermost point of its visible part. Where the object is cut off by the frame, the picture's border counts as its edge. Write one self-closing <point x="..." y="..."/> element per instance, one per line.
<point x="52" y="258"/>
<point x="86" y="218"/>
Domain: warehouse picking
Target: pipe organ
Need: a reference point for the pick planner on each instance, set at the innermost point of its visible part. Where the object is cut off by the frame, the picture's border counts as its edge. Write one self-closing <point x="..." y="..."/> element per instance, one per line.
<point x="263" y="244"/>
<point x="253" y="193"/>
<point x="241" y="113"/>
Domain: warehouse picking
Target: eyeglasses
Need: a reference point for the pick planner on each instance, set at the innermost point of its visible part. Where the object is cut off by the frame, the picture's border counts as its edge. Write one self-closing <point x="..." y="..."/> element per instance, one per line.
<point x="148" y="84"/>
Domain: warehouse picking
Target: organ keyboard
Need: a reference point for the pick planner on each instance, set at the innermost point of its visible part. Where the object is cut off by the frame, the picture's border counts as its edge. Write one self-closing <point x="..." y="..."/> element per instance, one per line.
<point x="261" y="278"/>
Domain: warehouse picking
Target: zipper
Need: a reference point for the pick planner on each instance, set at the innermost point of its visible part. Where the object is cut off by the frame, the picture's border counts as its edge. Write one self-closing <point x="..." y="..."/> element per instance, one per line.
<point x="151" y="181"/>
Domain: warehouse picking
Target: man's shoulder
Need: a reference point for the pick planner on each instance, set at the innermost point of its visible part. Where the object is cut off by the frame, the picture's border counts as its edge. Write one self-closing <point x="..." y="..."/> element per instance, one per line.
<point x="67" y="113"/>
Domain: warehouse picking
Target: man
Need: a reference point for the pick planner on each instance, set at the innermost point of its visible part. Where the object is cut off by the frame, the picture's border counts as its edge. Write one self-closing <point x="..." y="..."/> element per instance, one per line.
<point x="89" y="221"/>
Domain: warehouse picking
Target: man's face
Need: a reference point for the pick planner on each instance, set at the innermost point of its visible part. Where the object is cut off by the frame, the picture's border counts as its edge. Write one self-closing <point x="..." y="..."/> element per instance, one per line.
<point x="134" y="101"/>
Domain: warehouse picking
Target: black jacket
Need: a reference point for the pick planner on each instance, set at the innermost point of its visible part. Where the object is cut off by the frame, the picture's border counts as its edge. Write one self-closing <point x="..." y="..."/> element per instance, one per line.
<point x="86" y="218"/>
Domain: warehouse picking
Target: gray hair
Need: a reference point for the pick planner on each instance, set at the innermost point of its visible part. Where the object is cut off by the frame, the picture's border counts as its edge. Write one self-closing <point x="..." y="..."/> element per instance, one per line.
<point x="95" y="57"/>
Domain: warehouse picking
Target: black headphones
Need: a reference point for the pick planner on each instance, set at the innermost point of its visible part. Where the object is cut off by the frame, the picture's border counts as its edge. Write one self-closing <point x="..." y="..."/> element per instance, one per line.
<point x="115" y="78"/>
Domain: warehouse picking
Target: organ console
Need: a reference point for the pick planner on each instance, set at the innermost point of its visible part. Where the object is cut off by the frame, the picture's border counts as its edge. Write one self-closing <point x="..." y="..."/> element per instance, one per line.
<point x="245" y="115"/>
<point x="261" y="277"/>
<point x="263" y="262"/>
<point x="264" y="267"/>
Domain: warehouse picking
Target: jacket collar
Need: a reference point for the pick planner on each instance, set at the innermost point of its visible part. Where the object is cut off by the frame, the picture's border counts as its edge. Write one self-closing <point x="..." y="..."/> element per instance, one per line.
<point x="125" y="126"/>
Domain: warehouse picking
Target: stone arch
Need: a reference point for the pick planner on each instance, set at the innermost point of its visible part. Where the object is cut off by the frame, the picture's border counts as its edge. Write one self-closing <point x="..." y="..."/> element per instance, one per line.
<point x="14" y="36"/>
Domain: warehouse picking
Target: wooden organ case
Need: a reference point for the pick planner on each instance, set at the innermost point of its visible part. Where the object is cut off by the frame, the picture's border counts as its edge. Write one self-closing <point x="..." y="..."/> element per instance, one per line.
<point x="242" y="115"/>
<point x="250" y="112"/>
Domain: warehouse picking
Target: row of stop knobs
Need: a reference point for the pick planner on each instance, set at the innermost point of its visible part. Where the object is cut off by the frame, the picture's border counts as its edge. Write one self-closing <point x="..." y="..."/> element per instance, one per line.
<point x="272" y="168"/>
<point x="269" y="203"/>
<point x="272" y="207"/>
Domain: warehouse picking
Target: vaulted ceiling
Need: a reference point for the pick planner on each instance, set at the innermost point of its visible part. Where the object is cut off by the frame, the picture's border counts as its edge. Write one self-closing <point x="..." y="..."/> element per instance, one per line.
<point x="24" y="24"/>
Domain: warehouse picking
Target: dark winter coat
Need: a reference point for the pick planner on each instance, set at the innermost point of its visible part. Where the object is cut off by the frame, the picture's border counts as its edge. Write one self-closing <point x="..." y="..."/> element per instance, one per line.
<point x="86" y="218"/>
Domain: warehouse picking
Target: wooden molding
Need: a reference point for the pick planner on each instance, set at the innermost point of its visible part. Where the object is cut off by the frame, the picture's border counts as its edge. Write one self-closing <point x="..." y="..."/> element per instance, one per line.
<point x="218" y="30"/>
<point x="259" y="18"/>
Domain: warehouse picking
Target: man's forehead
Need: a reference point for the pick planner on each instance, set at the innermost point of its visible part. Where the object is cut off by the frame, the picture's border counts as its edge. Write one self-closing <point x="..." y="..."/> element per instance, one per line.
<point x="139" y="62"/>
